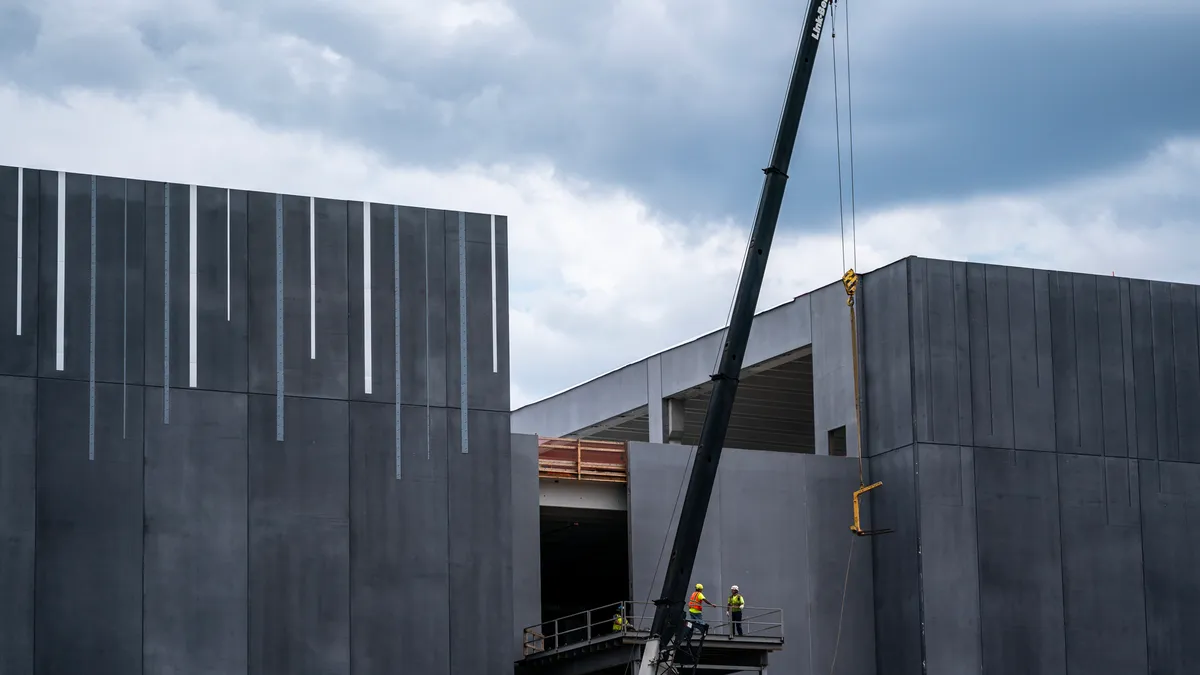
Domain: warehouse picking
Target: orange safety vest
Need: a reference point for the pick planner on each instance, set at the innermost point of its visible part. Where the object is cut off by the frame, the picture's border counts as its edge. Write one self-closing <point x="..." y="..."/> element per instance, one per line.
<point x="694" y="603"/>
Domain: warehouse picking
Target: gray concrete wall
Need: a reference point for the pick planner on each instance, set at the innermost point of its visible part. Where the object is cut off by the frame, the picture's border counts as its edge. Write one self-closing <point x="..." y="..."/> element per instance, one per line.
<point x="778" y="526"/>
<point x="1044" y="474"/>
<point x="526" y="538"/>
<point x="200" y="474"/>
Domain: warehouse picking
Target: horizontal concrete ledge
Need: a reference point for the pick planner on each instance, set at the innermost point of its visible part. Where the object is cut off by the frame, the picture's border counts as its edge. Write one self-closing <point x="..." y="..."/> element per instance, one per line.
<point x="573" y="494"/>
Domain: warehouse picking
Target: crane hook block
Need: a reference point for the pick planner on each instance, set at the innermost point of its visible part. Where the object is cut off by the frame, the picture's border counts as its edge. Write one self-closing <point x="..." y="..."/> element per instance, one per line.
<point x="857" y="526"/>
<point x="850" y="282"/>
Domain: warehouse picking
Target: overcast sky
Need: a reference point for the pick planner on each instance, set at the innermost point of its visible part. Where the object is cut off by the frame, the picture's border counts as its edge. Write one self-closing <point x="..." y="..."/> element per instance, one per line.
<point x="625" y="138"/>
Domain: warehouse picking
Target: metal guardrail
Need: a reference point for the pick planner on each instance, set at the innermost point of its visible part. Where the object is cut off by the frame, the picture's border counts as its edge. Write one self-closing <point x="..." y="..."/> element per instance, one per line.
<point x="582" y="459"/>
<point x="592" y="624"/>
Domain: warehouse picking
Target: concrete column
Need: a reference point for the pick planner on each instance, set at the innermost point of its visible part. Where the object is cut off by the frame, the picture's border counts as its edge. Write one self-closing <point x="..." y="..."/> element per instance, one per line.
<point x="654" y="398"/>
<point x="674" y="408"/>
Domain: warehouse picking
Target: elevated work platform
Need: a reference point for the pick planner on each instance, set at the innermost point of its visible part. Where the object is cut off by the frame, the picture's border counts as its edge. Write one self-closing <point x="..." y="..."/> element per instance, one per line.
<point x="596" y="643"/>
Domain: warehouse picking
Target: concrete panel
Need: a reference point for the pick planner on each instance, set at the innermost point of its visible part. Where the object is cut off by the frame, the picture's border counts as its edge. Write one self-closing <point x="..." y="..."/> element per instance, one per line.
<point x="1145" y="419"/>
<point x="480" y="520"/>
<point x="221" y="332"/>
<point x="400" y="582"/>
<point x="762" y="521"/>
<point x="420" y="341"/>
<point x="488" y="388"/>
<point x="18" y="335"/>
<point x="260" y="289"/>
<point x="383" y="304"/>
<point x="609" y="395"/>
<point x="776" y="331"/>
<point x="991" y="356"/>
<point x="120" y="280"/>
<point x="76" y="277"/>
<point x="89" y="532"/>
<point x="1088" y="436"/>
<point x="1031" y="355"/>
<point x="1112" y="422"/>
<point x="526" y="538"/>
<point x="832" y="548"/>
<point x="195" y="535"/>
<point x="299" y="581"/>
<point x="1171" y="550"/>
<point x="18" y="424"/>
<point x="1187" y="370"/>
<point x="949" y="560"/>
<point x="658" y="477"/>
<point x="437" y="313"/>
<point x="173" y="333"/>
<point x="1020" y="562"/>
<point x="326" y="375"/>
<point x="886" y="364"/>
<point x="896" y="565"/>
<point x="1103" y="600"/>
<point x="833" y="368"/>
<point x="1165" y="394"/>
<point x="1129" y="379"/>
<point x="941" y="353"/>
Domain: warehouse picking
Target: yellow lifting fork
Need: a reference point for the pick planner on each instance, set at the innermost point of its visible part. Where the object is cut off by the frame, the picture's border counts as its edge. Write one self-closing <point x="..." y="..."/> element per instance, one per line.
<point x="850" y="281"/>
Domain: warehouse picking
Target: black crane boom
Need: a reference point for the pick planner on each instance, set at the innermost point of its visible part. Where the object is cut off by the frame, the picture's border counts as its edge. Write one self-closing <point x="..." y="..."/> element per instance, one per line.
<point x="668" y="616"/>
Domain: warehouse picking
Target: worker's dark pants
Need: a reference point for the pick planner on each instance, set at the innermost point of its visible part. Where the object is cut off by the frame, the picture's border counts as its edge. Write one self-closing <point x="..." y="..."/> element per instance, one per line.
<point x="737" y="622"/>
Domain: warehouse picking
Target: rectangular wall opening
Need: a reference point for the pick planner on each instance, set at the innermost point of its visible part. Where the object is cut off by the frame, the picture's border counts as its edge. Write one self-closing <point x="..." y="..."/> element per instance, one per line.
<point x="585" y="566"/>
<point x="837" y="441"/>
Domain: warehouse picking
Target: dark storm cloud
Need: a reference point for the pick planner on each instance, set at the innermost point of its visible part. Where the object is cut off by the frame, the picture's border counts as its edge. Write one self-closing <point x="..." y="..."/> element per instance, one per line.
<point x="676" y="101"/>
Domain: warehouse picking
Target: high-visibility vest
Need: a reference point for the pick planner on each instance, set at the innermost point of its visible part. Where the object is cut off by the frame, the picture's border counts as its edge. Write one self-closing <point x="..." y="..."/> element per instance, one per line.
<point x="694" y="603"/>
<point x="737" y="602"/>
<point x="618" y="622"/>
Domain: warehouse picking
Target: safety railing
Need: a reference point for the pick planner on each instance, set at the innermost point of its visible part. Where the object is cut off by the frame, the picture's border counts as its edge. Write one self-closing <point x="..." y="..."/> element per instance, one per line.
<point x="582" y="459"/>
<point x="635" y="619"/>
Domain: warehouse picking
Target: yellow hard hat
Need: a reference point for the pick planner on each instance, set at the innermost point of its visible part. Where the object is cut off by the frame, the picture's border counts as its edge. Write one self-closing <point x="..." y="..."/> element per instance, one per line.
<point x="699" y="587"/>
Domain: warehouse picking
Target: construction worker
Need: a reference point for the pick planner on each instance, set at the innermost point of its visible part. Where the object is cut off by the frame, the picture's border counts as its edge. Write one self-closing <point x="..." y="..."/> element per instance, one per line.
<point x="696" y="604"/>
<point x="619" y="619"/>
<point x="734" y="607"/>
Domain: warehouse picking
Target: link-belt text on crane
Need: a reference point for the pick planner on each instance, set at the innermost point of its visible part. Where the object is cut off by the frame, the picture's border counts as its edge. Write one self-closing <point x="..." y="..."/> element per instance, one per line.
<point x="820" y="22"/>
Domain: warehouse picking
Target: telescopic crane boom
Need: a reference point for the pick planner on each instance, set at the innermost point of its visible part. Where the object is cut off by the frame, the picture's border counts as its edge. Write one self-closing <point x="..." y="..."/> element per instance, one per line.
<point x="668" y="614"/>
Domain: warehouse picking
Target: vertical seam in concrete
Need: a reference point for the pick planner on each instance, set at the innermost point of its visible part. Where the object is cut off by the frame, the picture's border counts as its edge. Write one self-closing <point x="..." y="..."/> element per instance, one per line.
<point x="312" y="278"/>
<point x="1074" y="347"/>
<point x="1062" y="574"/>
<point x="1012" y="417"/>
<point x="279" y="317"/>
<point x="20" y="240"/>
<point x="396" y="320"/>
<point x="61" y="275"/>
<point x="367" y="365"/>
<point x="429" y="387"/>
<point x="228" y="266"/>
<point x="125" y="311"/>
<point x="987" y="336"/>
<point x="462" y="325"/>
<point x="192" y="259"/>
<point x="37" y="395"/>
<point x="916" y="454"/>
<point x="929" y="406"/>
<point x="166" y="303"/>
<point x="92" y="329"/>
<point x="1142" y="549"/>
<point x="495" y="322"/>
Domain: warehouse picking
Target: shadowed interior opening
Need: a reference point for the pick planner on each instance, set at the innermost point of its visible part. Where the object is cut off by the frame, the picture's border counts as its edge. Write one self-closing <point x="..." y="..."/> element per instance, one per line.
<point x="585" y="565"/>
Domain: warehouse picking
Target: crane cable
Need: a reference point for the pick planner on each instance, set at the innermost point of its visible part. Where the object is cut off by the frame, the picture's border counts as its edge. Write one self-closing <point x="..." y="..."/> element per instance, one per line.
<point x="849" y="281"/>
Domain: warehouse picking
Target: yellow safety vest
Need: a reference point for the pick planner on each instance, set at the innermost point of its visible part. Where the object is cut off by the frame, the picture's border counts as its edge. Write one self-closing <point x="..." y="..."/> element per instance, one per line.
<point x="618" y="622"/>
<point x="736" y="602"/>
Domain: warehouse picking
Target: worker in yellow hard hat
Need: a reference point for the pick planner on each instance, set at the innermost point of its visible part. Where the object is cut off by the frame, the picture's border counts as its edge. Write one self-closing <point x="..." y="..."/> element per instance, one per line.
<point x="695" y="610"/>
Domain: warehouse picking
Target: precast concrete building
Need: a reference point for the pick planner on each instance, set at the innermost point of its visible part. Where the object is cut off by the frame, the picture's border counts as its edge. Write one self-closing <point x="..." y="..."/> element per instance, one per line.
<point x="246" y="432"/>
<point x="1038" y="440"/>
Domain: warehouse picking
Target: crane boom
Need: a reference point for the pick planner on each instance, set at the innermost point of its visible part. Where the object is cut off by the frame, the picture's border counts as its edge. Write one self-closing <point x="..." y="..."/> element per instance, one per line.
<point x="668" y="615"/>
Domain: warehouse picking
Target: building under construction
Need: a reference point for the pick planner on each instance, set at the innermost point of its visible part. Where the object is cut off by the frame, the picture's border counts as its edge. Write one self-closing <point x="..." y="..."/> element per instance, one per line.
<point x="1036" y="437"/>
<point x="256" y="433"/>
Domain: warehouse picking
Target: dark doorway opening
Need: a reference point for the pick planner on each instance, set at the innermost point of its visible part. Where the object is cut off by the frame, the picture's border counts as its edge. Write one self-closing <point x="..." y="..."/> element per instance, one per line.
<point x="585" y="568"/>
